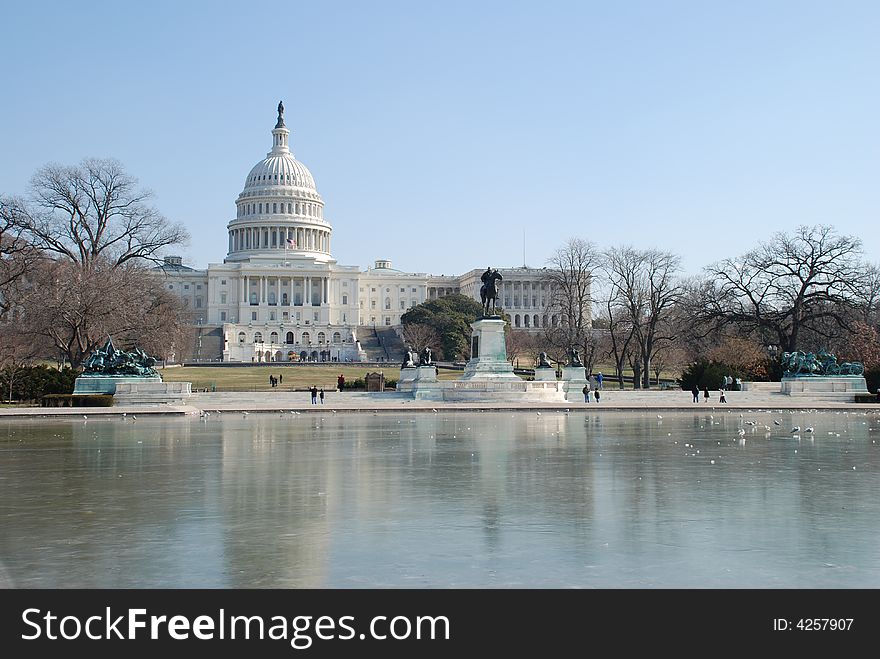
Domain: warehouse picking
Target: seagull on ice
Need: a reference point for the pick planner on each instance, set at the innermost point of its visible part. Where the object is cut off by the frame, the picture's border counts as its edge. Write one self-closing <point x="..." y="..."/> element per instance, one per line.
<point x="777" y="423"/>
<point x="808" y="429"/>
<point x="795" y="429"/>
<point x="742" y="432"/>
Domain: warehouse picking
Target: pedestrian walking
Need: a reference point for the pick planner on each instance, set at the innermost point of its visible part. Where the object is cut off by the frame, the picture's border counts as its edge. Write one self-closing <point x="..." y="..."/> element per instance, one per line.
<point x="599" y="379"/>
<point x="706" y="394"/>
<point x="271" y="381"/>
<point x="596" y="394"/>
<point x="340" y="382"/>
<point x="280" y="378"/>
<point x="696" y="392"/>
<point x="314" y="391"/>
<point x="322" y="395"/>
<point x="586" y="391"/>
<point x="722" y="399"/>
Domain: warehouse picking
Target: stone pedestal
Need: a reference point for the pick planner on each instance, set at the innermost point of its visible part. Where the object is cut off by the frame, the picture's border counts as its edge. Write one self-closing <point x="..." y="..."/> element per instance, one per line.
<point x="573" y="380"/>
<point x="106" y="384"/>
<point x="832" y="387"/>
<point x="152" y="393"/>
<point x="489" y="352"/>
<point x="425" y="385"/>
<point x="545" y="374"/>
<point x="407" y="376"/>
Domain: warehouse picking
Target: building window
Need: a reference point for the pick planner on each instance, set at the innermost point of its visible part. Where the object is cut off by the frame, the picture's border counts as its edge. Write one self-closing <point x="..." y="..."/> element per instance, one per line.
<point x="516" y="320"/>
<point x="289" y="338"/>
<point x="387" y="303"/>
<point x="198" y="303"/>
<point x="186" y="287"/>
<point x="198" y="287"/>
<point x="337" y="337"/>
<point x="222" y="316"/>
<point x="273" y="337"/>
<point x="271" y="315"/>
<point x="413" y="290"/>
<point x="223" y="282"/>
<point x="403" y="290"/>
<point x="320" y="338"/>
<point x="222" y="298"/>
<point x="241" y="337"/>
<point x="344" y="299"/>
<point x="387" y="320"/>
<point x="253" y="315"/>
<point x="305" y="338"/>
<point x="372" y="304"/>
<point x="403" y="304"/>
<point x="258" y="337"/>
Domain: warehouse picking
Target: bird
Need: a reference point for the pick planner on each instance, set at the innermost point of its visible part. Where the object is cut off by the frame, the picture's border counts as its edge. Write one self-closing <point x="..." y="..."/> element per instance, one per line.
<point x="795" y="429"/>
<point x="659" y="417"/>
<point x="808" y="429"/>
<point x="85" y="417"/>
<point x="539" y="414"/>
<point x="742" y="432"/>
<point x="133" y="417"/>
<point x="433" y="410"/>
<point x="777" y="423"/>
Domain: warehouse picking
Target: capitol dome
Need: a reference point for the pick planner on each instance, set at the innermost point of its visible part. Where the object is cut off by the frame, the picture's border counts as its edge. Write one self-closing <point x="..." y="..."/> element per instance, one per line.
<point x="279" y="208"/>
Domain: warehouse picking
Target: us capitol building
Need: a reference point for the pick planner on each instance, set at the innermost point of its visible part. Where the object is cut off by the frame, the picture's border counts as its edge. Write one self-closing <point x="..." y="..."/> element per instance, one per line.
<point x="279" y="294"/>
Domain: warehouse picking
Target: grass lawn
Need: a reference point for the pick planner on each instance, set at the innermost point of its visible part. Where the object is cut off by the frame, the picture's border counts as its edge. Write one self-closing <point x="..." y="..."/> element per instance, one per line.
<point x="295" y="377"/>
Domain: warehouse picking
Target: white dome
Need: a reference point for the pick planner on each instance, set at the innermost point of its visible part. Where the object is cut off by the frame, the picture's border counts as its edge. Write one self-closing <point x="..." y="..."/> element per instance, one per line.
<point x="280" y="170"/>
<point x="279" y="212"/>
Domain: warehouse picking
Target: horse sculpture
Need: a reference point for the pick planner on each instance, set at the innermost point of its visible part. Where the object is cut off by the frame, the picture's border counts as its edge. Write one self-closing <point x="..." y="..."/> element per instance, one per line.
<point x="800" y="363"/>
<point x="489" y="290"/>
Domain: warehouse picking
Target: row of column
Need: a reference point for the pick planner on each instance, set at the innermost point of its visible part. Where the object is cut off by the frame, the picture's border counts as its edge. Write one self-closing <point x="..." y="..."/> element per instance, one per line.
<point x="313" y="240"/>
<point x="527" y="290"/>
<point x="309" y="286"/>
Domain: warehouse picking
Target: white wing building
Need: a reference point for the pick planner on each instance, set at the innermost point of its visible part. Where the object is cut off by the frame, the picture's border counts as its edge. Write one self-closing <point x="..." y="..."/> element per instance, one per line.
<point x="279" y="294"/>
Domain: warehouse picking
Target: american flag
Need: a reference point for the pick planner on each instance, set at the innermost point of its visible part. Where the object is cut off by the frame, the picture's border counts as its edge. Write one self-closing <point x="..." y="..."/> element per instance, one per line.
<point x="291" y="242"/>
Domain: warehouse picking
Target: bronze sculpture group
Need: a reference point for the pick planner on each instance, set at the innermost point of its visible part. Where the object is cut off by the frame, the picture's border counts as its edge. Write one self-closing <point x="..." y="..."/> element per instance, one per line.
<point x="108" y="361"/>
<point x="797" y="364"/>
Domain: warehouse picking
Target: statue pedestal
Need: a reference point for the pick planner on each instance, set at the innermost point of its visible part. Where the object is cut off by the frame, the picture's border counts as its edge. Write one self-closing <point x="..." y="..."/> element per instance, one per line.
<point x="545" y="374"/>
<point x="425" y="384"/>
<point x="152" y="393"/>
<point x="106" y="384"/>
<point x="489" y="352"/>
<point x="573" y="380"/>
<point x="842" y="388"/>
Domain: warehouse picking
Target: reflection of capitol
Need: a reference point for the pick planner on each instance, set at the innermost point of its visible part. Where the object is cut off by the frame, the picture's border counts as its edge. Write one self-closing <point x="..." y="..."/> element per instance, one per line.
<point x="279" y="294"/>
<point x="427" y="500"/>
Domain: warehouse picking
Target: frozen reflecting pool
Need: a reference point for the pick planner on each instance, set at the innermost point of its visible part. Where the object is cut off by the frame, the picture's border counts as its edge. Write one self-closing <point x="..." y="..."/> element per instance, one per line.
<point x="610" y="500"/>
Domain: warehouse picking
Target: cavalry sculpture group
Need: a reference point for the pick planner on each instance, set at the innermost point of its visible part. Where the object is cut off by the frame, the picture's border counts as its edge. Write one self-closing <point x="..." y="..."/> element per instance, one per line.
<point x="110" y="361"/>
<point x="808" y="363"/>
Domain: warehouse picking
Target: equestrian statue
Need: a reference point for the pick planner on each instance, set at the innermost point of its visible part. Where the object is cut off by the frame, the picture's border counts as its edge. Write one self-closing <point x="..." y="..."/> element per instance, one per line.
<point x="489" y="290"/>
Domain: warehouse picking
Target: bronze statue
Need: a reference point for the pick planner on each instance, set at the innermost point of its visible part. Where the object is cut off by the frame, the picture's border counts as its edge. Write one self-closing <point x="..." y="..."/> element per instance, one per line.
<point x="280" y="123"/>
<point x="489" y="290"/>
<point x="426" y="357"/>
<point x="110" y="361"/>
<point x="409" y="358"/>
<point x="575" y="357"/>
<point x="543" y="361"/>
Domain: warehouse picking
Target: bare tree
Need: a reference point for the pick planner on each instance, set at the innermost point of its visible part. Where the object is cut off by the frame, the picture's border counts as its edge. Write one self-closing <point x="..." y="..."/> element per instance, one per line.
<point x="17" y="255"/>
<point x="94" y="212"/>
<point x="642" y="293"/>
<point x="75" y="309"/>
<point x="17" y="351"/>
<point x="421" y="336"/>
<point x="569" y="277"/>
<point x="795" y="283"/>
<point x="521" y="343"/>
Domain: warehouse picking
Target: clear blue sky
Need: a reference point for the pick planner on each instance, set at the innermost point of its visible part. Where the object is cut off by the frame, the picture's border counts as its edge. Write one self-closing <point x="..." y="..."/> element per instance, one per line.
<point x="437" y="132"/>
